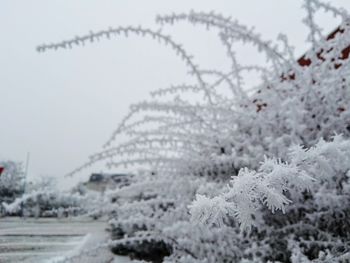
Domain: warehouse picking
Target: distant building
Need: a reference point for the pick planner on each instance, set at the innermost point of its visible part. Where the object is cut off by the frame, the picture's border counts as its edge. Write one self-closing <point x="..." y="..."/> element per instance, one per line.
<point x="101" y="182"/>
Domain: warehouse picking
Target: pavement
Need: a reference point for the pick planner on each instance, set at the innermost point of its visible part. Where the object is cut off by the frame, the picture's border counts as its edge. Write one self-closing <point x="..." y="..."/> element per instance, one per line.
<point x="55" y="241"/>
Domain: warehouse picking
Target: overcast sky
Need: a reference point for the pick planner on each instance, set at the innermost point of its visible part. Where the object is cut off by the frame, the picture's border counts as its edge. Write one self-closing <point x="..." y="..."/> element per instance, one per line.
<point x="62" y="106"/>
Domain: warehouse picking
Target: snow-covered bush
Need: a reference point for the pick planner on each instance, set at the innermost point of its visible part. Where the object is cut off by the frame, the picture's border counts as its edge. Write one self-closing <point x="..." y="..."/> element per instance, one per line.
<point x="310" y="193"/>
<point x="11" y="180"/>
<point x="326" y="165"/>
<point x="228" y="130"/>
<point x="214" y="134"/>
<point x="43" y="199"/>
<point x="142" y="211"/>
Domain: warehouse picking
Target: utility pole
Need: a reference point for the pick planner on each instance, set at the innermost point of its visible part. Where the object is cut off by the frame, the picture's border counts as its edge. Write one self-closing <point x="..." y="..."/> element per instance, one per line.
<point x="25" y="181"/>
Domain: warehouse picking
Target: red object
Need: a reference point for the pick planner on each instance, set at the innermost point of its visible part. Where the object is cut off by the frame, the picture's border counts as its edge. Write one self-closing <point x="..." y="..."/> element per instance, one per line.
<point x="1" y="169"/>
<point x="345" y="53"/>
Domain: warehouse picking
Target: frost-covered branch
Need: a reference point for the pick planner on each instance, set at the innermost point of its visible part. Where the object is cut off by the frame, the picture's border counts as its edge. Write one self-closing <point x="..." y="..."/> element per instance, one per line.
<point x="275" y="182"/>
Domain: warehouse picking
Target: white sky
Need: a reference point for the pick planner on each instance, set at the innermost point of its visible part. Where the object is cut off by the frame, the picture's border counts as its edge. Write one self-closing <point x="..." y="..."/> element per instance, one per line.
<point x="62" y="106"/>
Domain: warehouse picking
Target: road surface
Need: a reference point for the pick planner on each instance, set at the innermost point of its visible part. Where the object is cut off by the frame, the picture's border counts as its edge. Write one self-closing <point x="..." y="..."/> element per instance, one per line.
<point x="54" y="241"/>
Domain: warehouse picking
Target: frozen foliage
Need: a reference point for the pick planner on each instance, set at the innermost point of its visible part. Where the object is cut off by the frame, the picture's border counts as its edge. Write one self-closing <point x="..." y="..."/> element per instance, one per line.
<point x="297" y="197"/>
<point x="217" y="134"/>
<point x="43" y="199"/>
<point x="11" y="181"/>
<point x="275" y="184"/>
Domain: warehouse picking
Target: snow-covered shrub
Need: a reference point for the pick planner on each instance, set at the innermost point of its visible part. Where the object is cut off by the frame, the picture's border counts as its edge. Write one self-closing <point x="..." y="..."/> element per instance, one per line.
<point x="11" y="181"/>
<point x="216" y="134"/>
<point x="309" y="195"/>
<point x="143" y="209"/>
<point x="43" y="199"/>
<point x="192" y="146"/>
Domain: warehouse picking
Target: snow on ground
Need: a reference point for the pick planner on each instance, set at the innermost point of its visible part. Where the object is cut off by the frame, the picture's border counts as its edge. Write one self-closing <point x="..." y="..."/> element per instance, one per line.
<point x="54" y="240"/>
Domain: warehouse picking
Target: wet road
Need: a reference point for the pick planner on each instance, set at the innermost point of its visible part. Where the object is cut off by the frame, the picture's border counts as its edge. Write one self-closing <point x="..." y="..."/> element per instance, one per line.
<point x="53" y="240"/>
